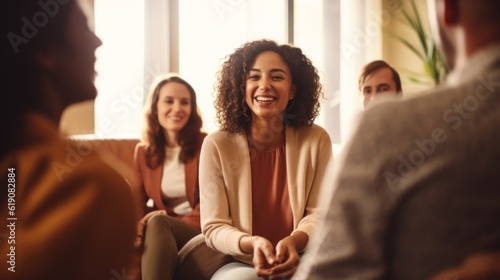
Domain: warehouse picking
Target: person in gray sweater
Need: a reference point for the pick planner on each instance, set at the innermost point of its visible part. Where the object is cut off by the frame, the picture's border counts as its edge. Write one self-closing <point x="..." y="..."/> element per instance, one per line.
<point x="426" y="202"/>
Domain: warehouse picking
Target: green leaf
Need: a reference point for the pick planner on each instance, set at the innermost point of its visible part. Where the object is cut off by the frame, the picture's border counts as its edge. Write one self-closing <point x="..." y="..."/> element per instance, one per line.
<point x="416" y="74"/>
<point x="410" y="46"/>
<point x="419" y="27"/>
<point x="419" y="81"/>
<point x="430" y="69"/>
<point x="409" y="19"/>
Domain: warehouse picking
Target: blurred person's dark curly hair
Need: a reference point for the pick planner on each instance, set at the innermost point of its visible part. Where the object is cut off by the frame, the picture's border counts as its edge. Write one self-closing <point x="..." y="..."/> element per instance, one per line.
<point x="234" y="115"/>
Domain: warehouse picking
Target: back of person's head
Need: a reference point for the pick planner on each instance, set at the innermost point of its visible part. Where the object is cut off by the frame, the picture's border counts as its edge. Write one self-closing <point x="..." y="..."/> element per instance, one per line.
<point x="234" y="115"/>
<point x="373" y="67"/>
<point x="463" y="27"/>
<point x="28" y="27"/>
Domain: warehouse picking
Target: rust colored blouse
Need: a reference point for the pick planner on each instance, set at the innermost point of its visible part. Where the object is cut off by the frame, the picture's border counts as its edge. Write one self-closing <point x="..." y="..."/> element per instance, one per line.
<point x="271" y="211"/>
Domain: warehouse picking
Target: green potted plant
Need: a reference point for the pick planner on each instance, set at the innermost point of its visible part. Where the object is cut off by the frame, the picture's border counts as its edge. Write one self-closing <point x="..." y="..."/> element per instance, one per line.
<point x="434" y="66"/>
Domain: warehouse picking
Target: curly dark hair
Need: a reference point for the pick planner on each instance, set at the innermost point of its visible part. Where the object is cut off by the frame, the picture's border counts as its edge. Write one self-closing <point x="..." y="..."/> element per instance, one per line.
<point x="153" y="135"/>
<point x="234" y="115"/>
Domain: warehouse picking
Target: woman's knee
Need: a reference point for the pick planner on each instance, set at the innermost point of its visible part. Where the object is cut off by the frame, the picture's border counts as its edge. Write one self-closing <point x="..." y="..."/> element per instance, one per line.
<point x="159" y="221"/>
<point x="236" y="270"/>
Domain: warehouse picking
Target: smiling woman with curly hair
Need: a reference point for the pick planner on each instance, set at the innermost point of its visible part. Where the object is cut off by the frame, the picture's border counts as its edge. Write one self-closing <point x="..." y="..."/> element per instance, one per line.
<point x="234" y="115"/>
<point x="261" y="174"/>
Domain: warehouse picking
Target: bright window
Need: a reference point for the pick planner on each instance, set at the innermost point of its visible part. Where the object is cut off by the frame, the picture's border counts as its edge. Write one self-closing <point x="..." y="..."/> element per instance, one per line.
<point x="120" y="67"/>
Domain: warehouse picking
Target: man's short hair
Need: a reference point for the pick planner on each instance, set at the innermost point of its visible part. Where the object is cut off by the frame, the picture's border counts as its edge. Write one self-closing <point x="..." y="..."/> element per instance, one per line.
<point x="374" y="66"/>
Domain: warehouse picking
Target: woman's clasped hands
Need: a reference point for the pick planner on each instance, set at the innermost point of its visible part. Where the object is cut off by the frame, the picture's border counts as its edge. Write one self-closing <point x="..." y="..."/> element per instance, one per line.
<point x="273" y="263"/>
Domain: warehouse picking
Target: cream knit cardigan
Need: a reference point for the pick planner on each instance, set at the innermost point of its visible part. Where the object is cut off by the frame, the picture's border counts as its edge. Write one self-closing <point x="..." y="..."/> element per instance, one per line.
<point x="226" y="185"/>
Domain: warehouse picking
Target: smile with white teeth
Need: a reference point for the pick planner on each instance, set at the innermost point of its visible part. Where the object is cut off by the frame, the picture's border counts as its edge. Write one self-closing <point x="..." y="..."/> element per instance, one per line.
<point x="265" y="98"/>
<point x="175" y="118"/>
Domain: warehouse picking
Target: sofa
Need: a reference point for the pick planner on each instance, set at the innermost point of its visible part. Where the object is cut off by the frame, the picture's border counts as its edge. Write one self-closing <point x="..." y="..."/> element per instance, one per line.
<point x="121" y="149"/>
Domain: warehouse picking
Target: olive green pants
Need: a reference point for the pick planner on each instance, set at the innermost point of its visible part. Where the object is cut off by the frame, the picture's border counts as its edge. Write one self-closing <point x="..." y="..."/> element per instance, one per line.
<point x="176" y="250"/>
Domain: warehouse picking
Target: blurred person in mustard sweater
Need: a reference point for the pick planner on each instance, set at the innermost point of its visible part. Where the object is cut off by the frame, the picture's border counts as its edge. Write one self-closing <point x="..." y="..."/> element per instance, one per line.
<point x="69" y="215"/>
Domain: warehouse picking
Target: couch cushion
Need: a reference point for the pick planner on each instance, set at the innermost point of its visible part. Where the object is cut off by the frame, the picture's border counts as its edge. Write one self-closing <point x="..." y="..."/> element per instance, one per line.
<point x="120" y="149"/>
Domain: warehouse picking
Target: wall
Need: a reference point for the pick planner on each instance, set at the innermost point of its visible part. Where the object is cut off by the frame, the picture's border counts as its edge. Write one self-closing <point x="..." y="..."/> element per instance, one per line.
<point x="78" y="119"/>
